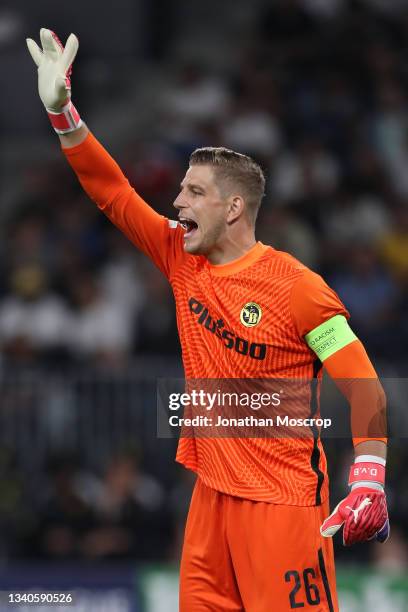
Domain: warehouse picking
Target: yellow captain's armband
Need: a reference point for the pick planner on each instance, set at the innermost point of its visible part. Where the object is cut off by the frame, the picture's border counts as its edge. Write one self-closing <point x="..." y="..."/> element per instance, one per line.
<point x="330" y="337"/>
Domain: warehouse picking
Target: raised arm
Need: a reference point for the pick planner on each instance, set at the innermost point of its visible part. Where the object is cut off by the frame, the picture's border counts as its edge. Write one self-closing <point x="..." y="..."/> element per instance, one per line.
<point x="98" y="173"/>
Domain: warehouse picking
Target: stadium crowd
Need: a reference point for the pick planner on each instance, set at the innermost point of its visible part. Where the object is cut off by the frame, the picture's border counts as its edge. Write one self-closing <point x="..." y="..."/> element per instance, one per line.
<point x="317" y="93"/>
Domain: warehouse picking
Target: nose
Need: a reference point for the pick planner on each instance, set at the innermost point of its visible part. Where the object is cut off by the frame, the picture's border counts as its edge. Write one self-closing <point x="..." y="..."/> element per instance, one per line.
<point x="179" y="202"/>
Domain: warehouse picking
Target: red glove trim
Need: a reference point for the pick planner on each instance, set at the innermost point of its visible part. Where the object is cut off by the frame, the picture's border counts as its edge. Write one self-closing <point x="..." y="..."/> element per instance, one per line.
<point x="367" y="472"/>
<point x="67" y="120"/>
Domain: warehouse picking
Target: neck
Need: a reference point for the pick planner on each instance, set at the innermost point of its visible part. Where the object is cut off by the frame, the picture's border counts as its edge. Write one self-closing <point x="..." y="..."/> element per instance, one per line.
<point x="231" y="249"/>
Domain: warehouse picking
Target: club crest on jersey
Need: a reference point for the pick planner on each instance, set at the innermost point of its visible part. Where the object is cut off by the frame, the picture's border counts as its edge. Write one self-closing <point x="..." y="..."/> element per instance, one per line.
<point x="230" y="340"/>
<point x="251" y="314"/>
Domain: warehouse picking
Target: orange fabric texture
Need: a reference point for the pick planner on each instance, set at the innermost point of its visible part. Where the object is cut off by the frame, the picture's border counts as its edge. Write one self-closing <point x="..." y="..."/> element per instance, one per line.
<point x="216" y="344"/>
<point x="230" y="559"/>
<point x="351" y="362"/>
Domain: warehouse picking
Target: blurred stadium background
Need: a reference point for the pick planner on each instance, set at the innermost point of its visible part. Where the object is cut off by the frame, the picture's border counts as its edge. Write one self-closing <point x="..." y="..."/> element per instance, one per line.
<point x="315" y="90"/>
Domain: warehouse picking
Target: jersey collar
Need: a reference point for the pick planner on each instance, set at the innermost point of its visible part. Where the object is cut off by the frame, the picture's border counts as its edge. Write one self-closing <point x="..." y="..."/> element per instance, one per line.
<point x="235" y="266"/>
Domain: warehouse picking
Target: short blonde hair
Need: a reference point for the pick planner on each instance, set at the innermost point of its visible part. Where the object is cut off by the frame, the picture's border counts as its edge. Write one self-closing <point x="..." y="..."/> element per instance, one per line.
<point x="234" y="171"/>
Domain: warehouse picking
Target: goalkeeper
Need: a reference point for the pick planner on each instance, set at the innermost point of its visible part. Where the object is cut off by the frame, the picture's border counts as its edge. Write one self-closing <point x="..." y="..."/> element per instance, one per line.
<point x="258" y="532"/>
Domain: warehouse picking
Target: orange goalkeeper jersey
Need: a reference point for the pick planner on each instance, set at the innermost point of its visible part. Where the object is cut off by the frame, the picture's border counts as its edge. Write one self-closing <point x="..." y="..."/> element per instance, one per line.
<point x="245" y="319"/>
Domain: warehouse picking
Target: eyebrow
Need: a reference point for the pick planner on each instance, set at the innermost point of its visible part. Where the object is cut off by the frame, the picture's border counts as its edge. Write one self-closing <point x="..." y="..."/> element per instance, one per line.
<point x="192" y="186"/>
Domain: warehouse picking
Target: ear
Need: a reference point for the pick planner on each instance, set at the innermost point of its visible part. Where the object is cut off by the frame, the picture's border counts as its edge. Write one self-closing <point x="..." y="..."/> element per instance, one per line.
<point x="236" y="208"/>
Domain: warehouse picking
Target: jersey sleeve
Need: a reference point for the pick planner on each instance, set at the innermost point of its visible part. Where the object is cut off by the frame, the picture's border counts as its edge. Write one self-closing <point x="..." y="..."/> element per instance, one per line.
<point x="104" y="182"/>
<point x="356" y="378"/>
<point x="313" y="302"/>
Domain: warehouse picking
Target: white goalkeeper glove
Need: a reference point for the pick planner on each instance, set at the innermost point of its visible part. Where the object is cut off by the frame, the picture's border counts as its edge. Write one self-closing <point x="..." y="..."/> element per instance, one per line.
<point x="54" y="64"/>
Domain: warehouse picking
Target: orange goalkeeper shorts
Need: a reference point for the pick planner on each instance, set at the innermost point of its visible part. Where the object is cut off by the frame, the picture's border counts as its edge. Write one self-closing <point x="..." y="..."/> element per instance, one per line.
<point x="242" y="555"/>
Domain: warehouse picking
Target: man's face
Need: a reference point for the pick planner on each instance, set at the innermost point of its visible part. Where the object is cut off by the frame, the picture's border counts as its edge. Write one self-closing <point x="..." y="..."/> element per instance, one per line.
<point x="202" y="210"/>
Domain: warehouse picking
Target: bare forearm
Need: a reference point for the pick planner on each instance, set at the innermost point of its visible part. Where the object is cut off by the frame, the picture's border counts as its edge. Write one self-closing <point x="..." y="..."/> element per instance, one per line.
<point x="371" y="447"/>
<point x="72" y="139"/>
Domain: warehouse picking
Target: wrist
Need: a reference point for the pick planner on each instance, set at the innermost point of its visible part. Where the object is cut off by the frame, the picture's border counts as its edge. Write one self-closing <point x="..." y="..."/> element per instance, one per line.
<point x="367" y="471"/>
<point x="66" y="119"/>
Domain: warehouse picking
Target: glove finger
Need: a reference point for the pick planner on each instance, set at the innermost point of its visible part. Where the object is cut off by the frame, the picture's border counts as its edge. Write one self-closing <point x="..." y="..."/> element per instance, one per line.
<point x="367" y="523"/>
<point x="69" y="53"/>
<point x="35" y="51"/>
<point x="384" y="533"/>
<point x="361" y="533"/>
<point x="51" y="46"/>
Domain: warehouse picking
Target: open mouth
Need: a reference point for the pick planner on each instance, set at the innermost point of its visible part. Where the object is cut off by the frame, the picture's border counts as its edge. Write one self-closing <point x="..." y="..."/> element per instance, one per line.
<point x="189" y="225"/>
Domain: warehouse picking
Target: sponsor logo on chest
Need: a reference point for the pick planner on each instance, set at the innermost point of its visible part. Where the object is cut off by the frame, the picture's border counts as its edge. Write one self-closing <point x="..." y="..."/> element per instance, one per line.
<point x="230" y="340"/>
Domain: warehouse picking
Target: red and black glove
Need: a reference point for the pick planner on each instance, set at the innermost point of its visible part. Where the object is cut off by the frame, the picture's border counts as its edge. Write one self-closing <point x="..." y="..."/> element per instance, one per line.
<point x="363" y="513"/>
